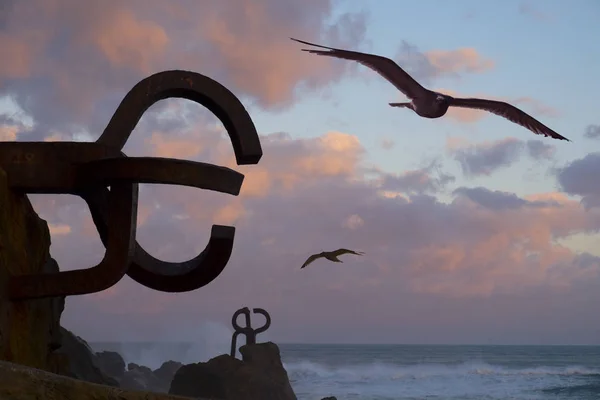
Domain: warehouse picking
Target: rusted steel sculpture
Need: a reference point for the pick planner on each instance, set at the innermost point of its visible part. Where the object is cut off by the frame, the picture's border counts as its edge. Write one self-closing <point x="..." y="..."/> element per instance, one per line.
<point x="87" y="169"/>
<point x="247" y="330"/>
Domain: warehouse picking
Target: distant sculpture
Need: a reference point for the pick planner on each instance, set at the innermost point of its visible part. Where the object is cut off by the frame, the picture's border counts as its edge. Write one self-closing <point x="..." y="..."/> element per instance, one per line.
<point x="330" y="255"/>
<point x="249" y="332"/>
<point x="427" y="103"/>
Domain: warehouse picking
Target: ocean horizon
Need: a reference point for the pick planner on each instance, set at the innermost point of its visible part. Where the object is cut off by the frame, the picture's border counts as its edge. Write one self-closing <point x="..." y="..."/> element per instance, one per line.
<point x="410" y="371"/>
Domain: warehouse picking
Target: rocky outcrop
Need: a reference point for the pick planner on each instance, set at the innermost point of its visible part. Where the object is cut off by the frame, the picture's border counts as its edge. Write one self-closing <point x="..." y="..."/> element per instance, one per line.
<point x="29" y="330"/>
<point x="139" y="377"/>
<point x="136" y="377"/>
<point x="167" y="371"/>
<point x="18" y="382"/>
<point x="82" y="362"/>
<point x="259" y="375"/>
<point x="111" y="363"/>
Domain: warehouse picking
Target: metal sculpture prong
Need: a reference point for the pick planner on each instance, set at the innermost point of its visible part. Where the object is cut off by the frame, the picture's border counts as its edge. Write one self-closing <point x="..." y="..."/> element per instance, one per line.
<point x="249" y="332"/>
<point x="86" y="169"/>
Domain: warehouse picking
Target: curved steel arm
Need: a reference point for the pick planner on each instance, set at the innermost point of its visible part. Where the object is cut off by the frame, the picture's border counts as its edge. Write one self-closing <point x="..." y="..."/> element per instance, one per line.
<point x="188" y="275"/>
<point x="120" y="239"/>
<point x="159" y="170"/>
<point x="146" y="269"/>
<point x="265" y="314"/>
<point x="191" y="86"/>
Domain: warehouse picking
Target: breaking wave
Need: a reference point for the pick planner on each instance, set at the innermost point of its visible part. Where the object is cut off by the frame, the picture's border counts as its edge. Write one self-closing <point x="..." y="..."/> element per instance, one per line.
<point x="469" y="380"/>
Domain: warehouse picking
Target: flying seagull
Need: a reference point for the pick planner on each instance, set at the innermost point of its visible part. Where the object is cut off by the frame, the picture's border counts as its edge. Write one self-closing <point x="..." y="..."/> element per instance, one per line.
<point x="427" y="103"/>
<point x="330" y="255"/>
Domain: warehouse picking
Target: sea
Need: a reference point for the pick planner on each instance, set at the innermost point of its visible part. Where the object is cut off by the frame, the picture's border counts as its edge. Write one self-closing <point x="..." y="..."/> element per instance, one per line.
<point x="415" y="372"/>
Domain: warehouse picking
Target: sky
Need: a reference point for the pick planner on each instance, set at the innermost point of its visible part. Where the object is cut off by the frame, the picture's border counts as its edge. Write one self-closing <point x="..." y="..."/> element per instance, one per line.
<point x="475" y="230"/>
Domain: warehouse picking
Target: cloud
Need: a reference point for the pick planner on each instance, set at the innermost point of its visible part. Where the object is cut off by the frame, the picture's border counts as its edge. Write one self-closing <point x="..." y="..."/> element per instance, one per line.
<point x="477" y="244"/>
<point x="314" y="193"/>
<point x="462" y="260"/>
<point x="486" y="157"/>
<point x="429" y="65"/>
<point x="497" y="200"/>
<point x="387" y="144"/>
<point x="539" y="150"/>
<point x="580" y="178"/>
<point x="354" y="221"/>
<point x="526" y="8"/>
<point x="60" y="229"/>
<point x="592" y="132"/>
<point x="427" y="179"/>
<point x="60" y="49"/>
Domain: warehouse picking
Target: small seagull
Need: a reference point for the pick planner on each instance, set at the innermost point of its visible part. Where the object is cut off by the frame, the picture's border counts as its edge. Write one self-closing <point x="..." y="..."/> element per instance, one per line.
<point x="427" y="103"/>
<point x="330" y="255"/>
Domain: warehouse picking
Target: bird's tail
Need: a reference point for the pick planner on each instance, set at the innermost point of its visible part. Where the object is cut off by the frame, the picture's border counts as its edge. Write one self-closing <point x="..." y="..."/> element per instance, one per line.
<point x="407" y="105"/>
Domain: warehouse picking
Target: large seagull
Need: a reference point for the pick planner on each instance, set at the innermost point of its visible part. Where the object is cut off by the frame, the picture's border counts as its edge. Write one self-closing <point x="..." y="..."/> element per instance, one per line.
<point x="427" y="103"/>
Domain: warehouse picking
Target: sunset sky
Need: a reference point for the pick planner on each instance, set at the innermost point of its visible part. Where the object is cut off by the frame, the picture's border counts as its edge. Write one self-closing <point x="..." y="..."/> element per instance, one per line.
<point x="475" y="230"/>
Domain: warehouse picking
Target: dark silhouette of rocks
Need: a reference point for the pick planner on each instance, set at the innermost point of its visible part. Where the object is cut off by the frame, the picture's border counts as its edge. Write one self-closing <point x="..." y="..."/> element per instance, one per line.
<point x="111" y="363"/>
<point x="329" y="398"/>
<point x="18" y="382"/>
<point x="29" y="331"/>
<point x="167" y="371"/>
<point x="259" y="375"/>
<point x="138" y="377"/>
<point x="81" y="360"/>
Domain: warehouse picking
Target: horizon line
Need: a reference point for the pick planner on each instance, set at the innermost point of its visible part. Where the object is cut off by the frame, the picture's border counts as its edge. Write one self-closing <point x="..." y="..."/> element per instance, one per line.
<point x="359" y="344"/>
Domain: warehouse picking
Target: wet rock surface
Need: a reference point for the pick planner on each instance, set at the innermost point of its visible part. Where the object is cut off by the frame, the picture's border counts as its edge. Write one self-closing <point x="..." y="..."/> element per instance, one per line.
<point x="259" y="375"/>
<point x="111" y="363"/>
<point x="81" y="361"/>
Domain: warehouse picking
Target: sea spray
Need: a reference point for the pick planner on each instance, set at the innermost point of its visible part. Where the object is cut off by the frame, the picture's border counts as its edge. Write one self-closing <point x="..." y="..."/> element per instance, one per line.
<point x="204" y="341"/>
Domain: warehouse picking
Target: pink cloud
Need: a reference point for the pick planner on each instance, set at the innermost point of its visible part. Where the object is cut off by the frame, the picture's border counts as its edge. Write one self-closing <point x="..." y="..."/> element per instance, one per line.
<point x="448" y="257"/>
<point x="465" y="59"/>
<point x="71" y="46"/>
<point x="430" y="65"/>
<point x="472" y="247"/>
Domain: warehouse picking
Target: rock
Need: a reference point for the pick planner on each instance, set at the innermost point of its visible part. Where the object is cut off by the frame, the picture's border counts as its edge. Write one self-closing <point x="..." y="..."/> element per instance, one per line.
<point x="134" y="366"/>
<point x="166" y="372"/>
<point x="29" y="331"/>
<point x="139" y="377"/>
<point x="18" y="382"/>
<point x="259" y="375"/>
<point x="131" y="366"/>
<point x="111" y="363"/>
<point x="329" y="398"/>
<point x="82" y="362"/>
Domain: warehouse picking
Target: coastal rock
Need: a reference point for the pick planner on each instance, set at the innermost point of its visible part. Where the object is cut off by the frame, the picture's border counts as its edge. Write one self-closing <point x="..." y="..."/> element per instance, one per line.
<point x="81" y="360"/>
<point x="166" y="372"/>
<point x="259" y="375"/>
<point x="29" y="331"/>
<point x="111" y="363"/>
<point x="18" y="382"/>
<point x="329" y="398"/>
<point x="139" y="377"/>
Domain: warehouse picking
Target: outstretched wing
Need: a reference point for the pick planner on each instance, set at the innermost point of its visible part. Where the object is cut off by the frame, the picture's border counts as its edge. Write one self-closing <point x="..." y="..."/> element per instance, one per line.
<point x="509" y="112"/>
<point x="339" y="252"/>
<point x="382" y="65"/>
<point x="311" y="259"/>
